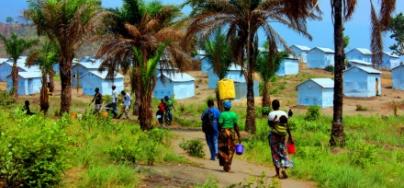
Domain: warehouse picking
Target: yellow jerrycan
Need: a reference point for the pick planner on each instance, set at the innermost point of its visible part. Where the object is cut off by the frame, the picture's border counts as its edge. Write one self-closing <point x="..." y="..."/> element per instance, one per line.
<point x="226" y="88"/>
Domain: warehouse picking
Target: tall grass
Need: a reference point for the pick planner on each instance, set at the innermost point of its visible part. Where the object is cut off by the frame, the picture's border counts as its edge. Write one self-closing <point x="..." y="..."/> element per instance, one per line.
<point x="107" y="152"/>
<point x="373" y="155"/>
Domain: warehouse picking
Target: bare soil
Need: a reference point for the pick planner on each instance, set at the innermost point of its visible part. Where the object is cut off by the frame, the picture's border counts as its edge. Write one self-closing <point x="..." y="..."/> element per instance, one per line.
<point x="287" y="94"/>
<point x="201" y="169"/>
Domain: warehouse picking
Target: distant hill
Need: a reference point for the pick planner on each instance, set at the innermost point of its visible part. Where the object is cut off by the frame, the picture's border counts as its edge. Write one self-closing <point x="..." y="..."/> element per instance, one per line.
<point x="29" y="31"/>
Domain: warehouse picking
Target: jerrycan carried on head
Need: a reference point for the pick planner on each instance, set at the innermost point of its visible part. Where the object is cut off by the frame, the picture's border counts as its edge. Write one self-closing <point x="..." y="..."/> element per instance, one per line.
<point x="226" y="88"/>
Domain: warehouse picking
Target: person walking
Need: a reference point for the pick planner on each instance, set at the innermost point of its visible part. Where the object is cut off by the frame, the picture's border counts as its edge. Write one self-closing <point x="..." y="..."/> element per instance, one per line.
<point x="228" y="128"/>
<point x="126" y="105"/>
<point x="161" y="112"/>
<point x="114" y="102"/>
<point x="97" y="100"/>
<point x="26" y="108"/>
<point x="210" y="121"/>
<point x="169" y="107"/>
<point x="278" y="123"/>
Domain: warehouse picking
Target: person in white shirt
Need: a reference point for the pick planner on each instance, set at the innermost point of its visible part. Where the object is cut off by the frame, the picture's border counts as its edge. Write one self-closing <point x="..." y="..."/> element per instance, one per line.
<point x="278" y="122"/>
<point x="114" y="103"/>
<point x="126" y="105"/>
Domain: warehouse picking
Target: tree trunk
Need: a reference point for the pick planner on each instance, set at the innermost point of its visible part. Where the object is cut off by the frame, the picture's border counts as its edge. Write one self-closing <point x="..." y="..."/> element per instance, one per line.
<point x="218" y="101"/>
<point x="44" y="98"/>
<point x="52" y="81"/>
<point x="65" y="79"/>
<point x="250" y="119"/>
<point x="266" y="99"/>
<point x="14" y="77"/>
<point x="135" y="89"/>
<point x="145" y="112"/>
<point x="337" y="130"/>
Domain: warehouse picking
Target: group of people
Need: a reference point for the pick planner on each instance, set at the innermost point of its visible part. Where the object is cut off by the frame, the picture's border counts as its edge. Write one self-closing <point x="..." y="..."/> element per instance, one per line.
<point x="222" y="133"/>
<point x="164" y="111"/>
<point x="113" y="106"/>
<point x="220" y="130"/>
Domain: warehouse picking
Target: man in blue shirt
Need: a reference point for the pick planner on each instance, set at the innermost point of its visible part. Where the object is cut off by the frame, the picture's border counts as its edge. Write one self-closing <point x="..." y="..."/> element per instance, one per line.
<point x="210" y="127"/>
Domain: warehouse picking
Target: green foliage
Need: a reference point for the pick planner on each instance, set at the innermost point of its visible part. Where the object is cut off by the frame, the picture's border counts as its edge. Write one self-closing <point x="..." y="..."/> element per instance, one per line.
<point x="218" y="53"/>
<point x="193" y="148"/>
<point x="6" y="99"/>
<point x="313" y="113"/>
<point x="34" y="151"/>
<point x="267" y="67"/>
<point x="45" y="57"/>
<point x="110" y="176"/>
<point x="16" y="46"/>
<point x="397" y="29"/>
<point x="372" y="156"/>
<point x="329" y="68"/>
<point x="361" y="108"/>
<point x="31" y="151"/>
<point x="209" y="183"/>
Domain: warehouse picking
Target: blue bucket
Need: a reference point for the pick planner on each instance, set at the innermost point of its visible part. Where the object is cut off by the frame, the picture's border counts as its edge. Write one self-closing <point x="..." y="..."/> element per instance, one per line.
<point x="239" y="149"/>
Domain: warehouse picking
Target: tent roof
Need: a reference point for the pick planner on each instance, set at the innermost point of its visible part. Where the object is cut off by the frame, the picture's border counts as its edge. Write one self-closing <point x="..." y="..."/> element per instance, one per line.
<point x="325" y="50"/>
<point x="369" y="70"/>
<point x="301" y="47"/>
<point x="322" y="82"/>
<point x="103" y="74"/>
<point x="177" y="76"/>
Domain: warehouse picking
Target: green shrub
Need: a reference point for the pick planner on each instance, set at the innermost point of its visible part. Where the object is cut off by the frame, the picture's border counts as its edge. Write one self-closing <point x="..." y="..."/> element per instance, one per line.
<point x="361" y="108"/>
<point x="193" y="148"/>
<point x="31" y="152"/>
<point x="329" y="68"/>
<point x="139" y="147"/>
<point x="209" y="183"/>
<point x="6" y="99"/>
<point x="313" y="113"/>
<point x="110" y="176"/>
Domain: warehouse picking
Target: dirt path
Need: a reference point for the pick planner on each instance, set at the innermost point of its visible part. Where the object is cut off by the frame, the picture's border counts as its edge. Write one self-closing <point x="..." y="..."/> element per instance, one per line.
<point x="202" y="169"/>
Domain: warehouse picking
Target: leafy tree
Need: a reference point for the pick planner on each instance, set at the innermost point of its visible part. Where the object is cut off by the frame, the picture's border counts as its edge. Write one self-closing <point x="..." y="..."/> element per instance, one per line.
<point x="9" y="20"/>
<point x="67" y="23"/>
<point x="154" y="27"/>
<point x="267" y="68"/>
<point x="218" y="54"/>
<point x="342" y="10"/>
<point x="45" y="57"/>
<point x="244" y="18"/>
<point x="147" y="25"/>
<point x="148" y="68"/>
<point x="15" y="47"/>
<point x="397" y="28"/>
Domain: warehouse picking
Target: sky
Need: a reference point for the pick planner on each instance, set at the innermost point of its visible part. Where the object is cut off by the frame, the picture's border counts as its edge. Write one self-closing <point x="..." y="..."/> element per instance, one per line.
<point x="358" y="28"/>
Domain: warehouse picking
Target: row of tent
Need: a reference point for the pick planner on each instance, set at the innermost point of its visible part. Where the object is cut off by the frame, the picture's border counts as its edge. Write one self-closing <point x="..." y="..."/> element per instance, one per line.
<point x="320" y="58"/>
<point x="359" y="81"/>
<point x="86" y="75"/>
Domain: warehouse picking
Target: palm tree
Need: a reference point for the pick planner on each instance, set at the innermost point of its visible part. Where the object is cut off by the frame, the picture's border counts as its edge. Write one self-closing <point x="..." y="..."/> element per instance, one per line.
<point x="267" y="70"/>
<point x="342" y="10"/>
<point x="147" y="24"/>
<point x="45" y="57"/>
<point x="155" y="26"/>
<point x="244" y="18"/>
<point x="67" y="23"/>
<point x="218" y="54"/>
<point x="148" y="68"/>
<point x="15" y="47"/>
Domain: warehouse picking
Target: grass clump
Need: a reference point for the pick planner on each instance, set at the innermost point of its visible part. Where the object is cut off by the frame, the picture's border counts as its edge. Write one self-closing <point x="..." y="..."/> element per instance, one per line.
<point x="313" y="113"/>
<point x="193" y="148"/>
<point x="110" y="176"/>
<point x="40" y="152"/>
<point x="31" y="151"/>
<point x="209" y="183"/>
<point x="361" y="108"/>
<point x="372" y="156"/>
